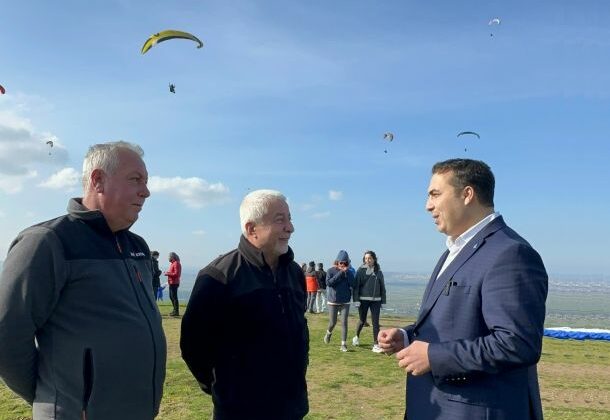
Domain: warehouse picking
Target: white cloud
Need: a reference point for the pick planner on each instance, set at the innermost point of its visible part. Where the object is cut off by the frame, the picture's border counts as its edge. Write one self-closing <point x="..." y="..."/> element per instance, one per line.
<point x="66" y="178"/>
<point x="12" y="184"/>
<point x="23" y="150"/>
<point x="193" y="192"/>
<point x="198" y="232"/>
<point x="307" y="207"/>
<point x="335" y="195"/>
<point x="320" y="215"/>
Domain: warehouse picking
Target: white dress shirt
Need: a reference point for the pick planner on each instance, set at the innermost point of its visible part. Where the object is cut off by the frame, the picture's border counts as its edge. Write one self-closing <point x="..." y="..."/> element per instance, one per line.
<point x="455" y="246"/>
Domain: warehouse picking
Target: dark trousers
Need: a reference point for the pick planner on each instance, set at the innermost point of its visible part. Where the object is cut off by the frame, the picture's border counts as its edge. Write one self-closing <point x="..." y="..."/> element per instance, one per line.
<point x="375" y="306"/>
<point x="311" y="300"/>
<point x="173" y="296"/>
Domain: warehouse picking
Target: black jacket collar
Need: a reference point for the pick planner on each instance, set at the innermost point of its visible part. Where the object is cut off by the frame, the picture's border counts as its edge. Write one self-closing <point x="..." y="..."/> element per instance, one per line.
<point x="255" y="256"/>
<point x="93" y="218"/>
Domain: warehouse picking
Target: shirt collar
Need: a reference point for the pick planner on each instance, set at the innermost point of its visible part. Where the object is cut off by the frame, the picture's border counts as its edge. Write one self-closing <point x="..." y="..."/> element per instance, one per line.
<point x="460" y="241"/>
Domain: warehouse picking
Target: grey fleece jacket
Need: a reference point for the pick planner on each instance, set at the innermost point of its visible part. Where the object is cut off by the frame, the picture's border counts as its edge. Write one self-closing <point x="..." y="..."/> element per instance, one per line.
<point x="79" y="331"/>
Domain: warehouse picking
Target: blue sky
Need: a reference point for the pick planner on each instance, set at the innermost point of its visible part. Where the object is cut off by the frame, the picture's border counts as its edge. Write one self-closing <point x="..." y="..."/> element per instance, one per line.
<point x="296" y="96"/>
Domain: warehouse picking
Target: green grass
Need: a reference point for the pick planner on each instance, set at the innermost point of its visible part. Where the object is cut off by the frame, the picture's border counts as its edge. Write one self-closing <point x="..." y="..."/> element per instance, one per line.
<point x="359" y="384"/>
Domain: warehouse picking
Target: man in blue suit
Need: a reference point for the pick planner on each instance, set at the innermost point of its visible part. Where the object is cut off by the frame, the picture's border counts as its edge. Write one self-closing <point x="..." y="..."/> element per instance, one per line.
<point x="472" y="352"/>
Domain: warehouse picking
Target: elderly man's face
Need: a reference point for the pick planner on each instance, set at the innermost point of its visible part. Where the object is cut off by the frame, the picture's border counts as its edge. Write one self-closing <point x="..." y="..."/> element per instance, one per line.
<point x="125" y="191"/>
<point x="273" y="233"/>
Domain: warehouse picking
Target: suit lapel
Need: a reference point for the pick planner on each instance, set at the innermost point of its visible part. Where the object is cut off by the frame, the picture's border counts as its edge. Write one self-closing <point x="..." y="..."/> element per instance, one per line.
<point x="435" y="288"/>
<point x="432" y="280"/>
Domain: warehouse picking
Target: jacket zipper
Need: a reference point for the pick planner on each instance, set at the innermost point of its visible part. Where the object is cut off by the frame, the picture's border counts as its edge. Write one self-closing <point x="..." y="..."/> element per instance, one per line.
<point x="150" y="328"/>
<point x="88" y="375"/>
<point x="279" y="292"/>
<point x="139" y="277"/>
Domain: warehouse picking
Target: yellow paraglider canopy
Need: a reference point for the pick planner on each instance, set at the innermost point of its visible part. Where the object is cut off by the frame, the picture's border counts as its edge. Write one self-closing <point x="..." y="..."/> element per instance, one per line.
<point x="168" y="34"/>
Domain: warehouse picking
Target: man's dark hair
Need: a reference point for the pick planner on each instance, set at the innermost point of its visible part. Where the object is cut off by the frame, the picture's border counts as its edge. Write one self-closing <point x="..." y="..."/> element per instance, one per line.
<point x="470" y="173"/>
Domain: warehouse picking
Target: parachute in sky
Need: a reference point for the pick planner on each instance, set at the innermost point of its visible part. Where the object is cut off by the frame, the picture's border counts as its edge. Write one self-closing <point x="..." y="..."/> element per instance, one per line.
<point x="2" y="91"/>
<point x="468" y="132"/>
<point x="50" y="144"/>
<point x="472" y="133"/>
<point x="389" y="137"/>
<point x="494" y="22"/>
<point x="166" y="35"/>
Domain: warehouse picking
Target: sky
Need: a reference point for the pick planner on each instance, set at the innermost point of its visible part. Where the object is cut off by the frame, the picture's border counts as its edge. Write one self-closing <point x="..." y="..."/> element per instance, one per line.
<point x="296" y="96"/>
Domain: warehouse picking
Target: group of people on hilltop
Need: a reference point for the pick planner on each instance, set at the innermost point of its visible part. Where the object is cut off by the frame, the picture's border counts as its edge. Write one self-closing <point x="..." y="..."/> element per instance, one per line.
<point x="341" y="285"/>
<point x="77" y="289"/>
<point x="315" y="285"/>
<point x="366" y="285"/>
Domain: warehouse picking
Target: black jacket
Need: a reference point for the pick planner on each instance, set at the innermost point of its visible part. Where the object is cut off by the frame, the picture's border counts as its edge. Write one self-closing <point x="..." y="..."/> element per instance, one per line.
<point x="156" y="280"/>
<point x="321" y="277"/>
<point x="245" y="338"/>
<point x="369" y="286"/>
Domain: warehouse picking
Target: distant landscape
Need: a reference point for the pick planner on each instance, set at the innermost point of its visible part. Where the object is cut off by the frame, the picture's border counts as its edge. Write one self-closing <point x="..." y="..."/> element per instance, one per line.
<point x="573" y="301"/>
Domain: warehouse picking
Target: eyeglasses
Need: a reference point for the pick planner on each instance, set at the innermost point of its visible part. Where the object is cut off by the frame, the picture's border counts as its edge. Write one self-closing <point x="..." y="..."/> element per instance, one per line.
<point x="342" y="263"/>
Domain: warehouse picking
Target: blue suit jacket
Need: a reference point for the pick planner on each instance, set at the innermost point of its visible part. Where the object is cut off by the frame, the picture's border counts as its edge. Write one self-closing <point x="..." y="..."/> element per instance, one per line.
<point x="484" y="319"/>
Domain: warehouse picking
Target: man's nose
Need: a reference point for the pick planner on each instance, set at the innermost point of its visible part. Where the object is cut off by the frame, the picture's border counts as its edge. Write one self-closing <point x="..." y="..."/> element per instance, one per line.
<point x="429" y="205"/>
<point x="289" y="227"/>
<point x="145" y="192"/>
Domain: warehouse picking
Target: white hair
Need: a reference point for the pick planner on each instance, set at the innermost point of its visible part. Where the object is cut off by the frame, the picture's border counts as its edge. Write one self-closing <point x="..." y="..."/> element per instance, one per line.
<point x="105" y="156"/>
<point x="255" y="206"/>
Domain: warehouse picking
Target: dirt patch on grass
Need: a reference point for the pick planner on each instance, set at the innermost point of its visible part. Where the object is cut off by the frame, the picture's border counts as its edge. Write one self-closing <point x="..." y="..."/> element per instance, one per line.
<point x="566" y="385"/>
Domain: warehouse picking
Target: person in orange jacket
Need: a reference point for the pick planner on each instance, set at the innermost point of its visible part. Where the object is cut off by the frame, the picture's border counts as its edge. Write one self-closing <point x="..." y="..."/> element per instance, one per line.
<point x="311" y="283"/>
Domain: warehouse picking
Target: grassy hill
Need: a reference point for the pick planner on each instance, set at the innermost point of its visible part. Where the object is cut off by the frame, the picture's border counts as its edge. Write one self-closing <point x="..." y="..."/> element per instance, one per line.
<point x="359" y="384"/>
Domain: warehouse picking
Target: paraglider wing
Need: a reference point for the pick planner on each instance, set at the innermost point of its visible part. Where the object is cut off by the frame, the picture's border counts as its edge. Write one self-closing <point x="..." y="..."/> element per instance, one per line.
<point x="168" y="34"/>
<point x="472" y="133"/>
<point x="388" y="136"/>
<point x="494" y="21"/>
<point x="2" y="91"/>
<point x="469" y="132"/>
<point x="50" y="143"/>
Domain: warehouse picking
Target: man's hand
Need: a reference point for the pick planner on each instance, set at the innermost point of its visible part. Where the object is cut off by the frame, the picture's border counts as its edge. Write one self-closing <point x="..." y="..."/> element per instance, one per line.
<point x="391" y="341"/>
<point x="414" y="359"/>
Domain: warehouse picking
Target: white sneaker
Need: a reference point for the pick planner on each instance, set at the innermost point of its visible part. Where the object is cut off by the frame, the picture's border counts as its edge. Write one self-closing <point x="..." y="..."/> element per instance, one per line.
<point x="355" y="341"/>
<point x="327" y="337"/>
<point x="343" y="347"/>
<point x="376" y="349"/>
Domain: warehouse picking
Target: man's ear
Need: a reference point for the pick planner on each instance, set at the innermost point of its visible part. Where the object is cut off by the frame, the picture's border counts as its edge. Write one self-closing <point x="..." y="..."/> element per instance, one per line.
<point x="97" y="180"/>
<point x="251" y="228"/>
<point x="468" y="194"/>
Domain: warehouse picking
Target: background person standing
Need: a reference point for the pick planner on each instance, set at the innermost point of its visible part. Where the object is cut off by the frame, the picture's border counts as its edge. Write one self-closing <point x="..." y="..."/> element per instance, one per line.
<point x="156" y="273"/>
<point x="321" y="295"/>
<point x="311" y="283"/>
<point x="340" y="282"/>
<point x="173" y="280"/>
<point x="370" y="292"/>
